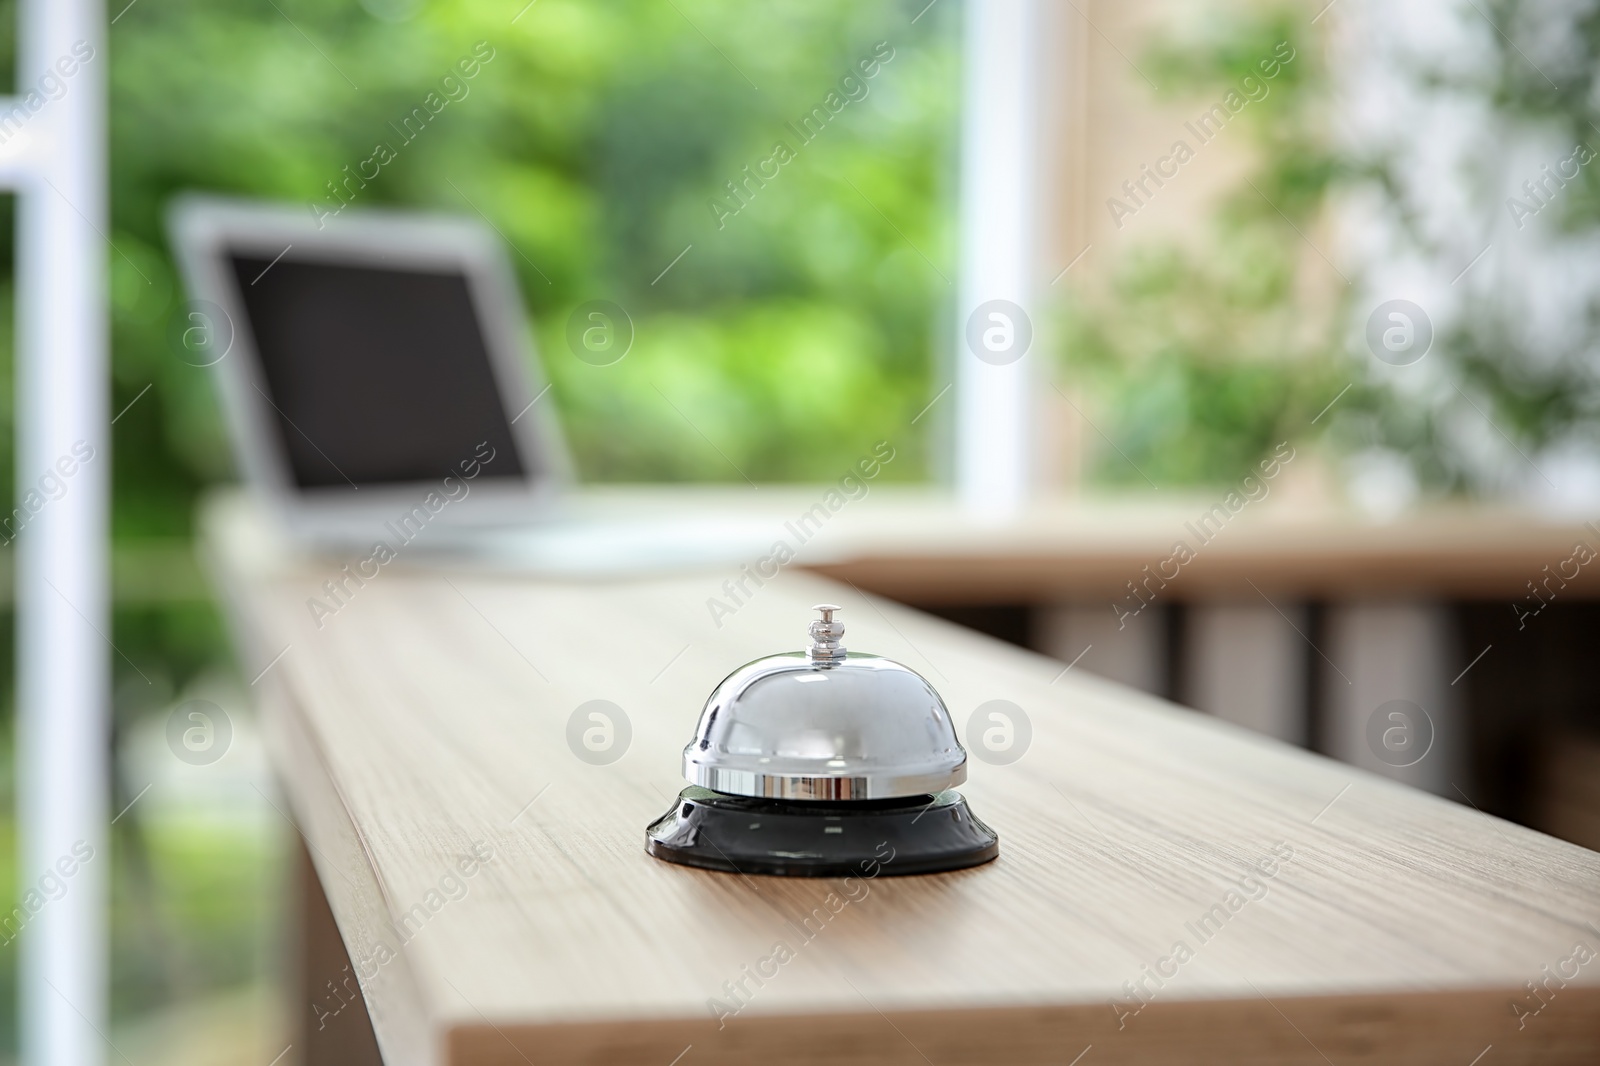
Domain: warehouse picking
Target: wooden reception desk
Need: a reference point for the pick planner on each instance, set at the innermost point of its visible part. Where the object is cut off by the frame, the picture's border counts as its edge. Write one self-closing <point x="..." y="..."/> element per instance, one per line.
<point x="915" y="545"/>
<point x="1170" y="888"/>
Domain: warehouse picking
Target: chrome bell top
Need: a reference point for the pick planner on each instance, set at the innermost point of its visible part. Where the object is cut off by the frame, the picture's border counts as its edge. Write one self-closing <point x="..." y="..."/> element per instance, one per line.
<point x="824" y="724"/>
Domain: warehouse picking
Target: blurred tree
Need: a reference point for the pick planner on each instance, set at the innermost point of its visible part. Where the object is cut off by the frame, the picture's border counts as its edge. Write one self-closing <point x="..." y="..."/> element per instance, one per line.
<point x="786" y="338"/>
<point x="1486" y="177"/>
<point x="1203" y="353"/>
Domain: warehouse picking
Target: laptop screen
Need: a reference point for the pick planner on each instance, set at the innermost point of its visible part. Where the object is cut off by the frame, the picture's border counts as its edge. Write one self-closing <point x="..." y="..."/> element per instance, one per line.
<point x="379" y="376"/>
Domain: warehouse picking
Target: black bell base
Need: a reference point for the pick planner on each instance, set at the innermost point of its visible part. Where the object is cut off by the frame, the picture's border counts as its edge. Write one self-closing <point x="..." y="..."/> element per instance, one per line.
<point x="787" y="838"/>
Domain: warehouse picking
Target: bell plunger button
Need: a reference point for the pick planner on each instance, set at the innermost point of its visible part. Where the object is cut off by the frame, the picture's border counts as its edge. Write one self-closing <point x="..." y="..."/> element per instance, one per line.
<point x="825" y="634"/>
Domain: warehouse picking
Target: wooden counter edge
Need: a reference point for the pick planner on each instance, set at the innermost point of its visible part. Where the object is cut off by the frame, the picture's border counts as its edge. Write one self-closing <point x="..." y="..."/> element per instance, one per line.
<point x="1048" y="578"/>
<point x="1394" y="1029"/>
<point x="351" y="885"/>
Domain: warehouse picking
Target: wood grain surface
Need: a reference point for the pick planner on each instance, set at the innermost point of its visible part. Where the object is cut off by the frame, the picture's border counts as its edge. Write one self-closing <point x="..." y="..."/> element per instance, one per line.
<point x="1169" y="889"/>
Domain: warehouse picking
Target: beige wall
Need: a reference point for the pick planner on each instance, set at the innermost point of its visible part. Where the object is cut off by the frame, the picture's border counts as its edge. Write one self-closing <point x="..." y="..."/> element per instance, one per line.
<point x="1102" y="119"/>
<point x="1106" y="119"/>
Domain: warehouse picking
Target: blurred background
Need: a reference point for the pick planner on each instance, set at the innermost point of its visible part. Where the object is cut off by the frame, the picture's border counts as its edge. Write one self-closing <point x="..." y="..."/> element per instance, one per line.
<point x="1192" y="323"/>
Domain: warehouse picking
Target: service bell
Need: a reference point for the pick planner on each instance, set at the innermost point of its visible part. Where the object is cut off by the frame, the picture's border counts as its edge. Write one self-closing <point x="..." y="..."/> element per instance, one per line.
<point x="823" y="763"/>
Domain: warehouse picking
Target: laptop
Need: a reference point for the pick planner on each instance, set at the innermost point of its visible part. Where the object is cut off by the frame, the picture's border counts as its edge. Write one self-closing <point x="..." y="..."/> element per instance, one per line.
<point x="379" y="382"/>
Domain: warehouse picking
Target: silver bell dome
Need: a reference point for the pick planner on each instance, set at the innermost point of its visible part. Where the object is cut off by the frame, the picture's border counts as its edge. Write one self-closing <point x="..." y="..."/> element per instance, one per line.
<point x="825" y="724"/>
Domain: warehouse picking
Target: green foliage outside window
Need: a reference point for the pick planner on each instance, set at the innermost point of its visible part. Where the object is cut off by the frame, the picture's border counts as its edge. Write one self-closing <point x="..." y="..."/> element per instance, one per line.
<point x="1202" y="354"/>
